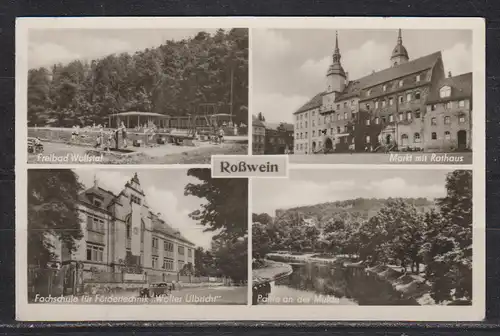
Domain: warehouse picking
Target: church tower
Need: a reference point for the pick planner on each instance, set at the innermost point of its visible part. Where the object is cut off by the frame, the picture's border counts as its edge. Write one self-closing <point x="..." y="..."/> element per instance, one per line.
<point x="399" y="54"/>
<point x="335" y="77"/>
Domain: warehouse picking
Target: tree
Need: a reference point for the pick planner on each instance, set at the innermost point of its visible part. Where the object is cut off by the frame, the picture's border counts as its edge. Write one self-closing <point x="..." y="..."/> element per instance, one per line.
<point x="448" y="247"/>
<point x="225" y="210"/>
<point x="232" y="258"/>
<point x="52" y="213"/>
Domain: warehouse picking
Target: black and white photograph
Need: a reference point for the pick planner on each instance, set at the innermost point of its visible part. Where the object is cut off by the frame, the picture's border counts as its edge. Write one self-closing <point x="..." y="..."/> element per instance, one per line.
<point x="136" y="96"/>
<point x="363" y="95"/>
<point x="136" y="237"/>
<point x="344" y="237"/>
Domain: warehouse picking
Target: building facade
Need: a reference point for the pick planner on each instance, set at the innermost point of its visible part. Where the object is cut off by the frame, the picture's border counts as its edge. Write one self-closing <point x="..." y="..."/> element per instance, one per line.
<point x="388" y="110"/>
<point x="279" y="139"/>
<point x="258" y="136"/>
<point x="121" y="234"/>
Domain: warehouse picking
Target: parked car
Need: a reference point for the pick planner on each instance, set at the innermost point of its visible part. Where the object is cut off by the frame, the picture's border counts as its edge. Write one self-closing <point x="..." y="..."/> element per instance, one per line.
<point x="160" y="288"/>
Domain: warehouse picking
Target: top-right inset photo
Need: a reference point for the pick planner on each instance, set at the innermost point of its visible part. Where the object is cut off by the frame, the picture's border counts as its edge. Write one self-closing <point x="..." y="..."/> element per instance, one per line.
<point x="363" y="96"/>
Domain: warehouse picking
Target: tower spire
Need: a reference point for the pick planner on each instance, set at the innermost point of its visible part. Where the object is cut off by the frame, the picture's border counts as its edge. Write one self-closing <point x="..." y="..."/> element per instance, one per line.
<point x="400" y="39"/>
<point x="335" y="75"/>
<point x="399" y="53"/>
<point x="337" y="51"/>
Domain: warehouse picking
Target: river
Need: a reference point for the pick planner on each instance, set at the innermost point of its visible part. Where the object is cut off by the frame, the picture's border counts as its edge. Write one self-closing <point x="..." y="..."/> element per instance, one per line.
<point x="323" y="284"/>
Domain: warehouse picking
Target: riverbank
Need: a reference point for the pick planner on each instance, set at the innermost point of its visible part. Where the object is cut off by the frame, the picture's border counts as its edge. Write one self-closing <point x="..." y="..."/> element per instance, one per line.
<point x="270" y="271"/>
<point x="404" y="287"/>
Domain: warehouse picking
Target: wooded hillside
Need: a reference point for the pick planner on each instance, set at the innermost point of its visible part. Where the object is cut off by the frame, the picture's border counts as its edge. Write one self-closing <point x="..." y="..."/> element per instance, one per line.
<point x="173" y="79"/>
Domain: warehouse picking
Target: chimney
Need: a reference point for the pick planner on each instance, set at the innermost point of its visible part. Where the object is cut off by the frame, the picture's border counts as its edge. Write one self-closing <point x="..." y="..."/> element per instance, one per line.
<point x="449" y="74"/>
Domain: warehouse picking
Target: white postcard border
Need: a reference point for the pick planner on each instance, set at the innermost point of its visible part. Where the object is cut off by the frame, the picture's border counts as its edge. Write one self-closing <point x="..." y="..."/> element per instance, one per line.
<point x="44" y="312"/>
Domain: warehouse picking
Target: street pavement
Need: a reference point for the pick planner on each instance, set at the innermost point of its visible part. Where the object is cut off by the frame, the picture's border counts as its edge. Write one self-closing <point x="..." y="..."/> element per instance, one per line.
<point x="202" y="296"/>
<point x="381" y="158"/>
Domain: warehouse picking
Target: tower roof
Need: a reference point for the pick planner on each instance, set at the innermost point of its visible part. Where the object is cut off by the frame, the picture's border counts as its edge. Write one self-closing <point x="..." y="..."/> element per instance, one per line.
<point x="399" y="49"/>
<point x="336" y="68"/>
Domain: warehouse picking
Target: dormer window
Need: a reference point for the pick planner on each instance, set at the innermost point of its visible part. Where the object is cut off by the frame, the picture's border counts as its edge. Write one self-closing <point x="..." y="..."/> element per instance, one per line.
<point x="400" y="83"/>
<point x="418" y="78"/>
<point x="369" y="92"/>
<point x="384" y="88"/>
<point x="97" y="203"/>
<point x="445" y="92"/>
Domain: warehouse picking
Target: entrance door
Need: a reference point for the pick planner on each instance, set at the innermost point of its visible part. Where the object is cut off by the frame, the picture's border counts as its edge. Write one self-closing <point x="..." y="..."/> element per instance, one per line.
<point x="388" y="139"/>
<point x="328" y="144"/>
<point x="462" y="139"/>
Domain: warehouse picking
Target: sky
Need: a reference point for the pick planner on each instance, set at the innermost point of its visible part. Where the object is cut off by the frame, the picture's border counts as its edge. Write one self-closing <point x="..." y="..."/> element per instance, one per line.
<point x="164" y="191"/>
<point x="306" y="187"/>
<point x="50" y="46"/>
<point x="289" y="65"/>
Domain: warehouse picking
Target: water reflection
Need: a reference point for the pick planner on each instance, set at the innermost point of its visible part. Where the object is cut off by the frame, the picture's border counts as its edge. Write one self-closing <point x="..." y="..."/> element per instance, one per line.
<point x="311" y="284"/>
<point x="316" y="284"/>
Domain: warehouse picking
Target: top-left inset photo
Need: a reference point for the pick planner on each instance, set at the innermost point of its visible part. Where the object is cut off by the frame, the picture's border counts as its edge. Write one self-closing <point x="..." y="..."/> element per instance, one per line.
<point x="133" y="96"/>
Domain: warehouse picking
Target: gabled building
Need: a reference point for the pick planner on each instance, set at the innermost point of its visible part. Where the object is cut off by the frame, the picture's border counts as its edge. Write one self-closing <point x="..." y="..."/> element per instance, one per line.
<point x="121" y="234"/>
<point x="279" y="138"/>
<point x="386" y="110"/>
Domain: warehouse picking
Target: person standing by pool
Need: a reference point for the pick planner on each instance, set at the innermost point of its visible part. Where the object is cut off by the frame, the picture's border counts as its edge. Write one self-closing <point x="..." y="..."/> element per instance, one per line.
<point x="123" y="129"/>
<point x="221" y="135"/>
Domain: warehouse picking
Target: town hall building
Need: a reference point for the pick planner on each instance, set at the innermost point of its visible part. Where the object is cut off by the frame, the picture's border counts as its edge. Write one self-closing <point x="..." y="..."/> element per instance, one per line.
<point x="409" y="106"/>
<point x="122" y="234"/>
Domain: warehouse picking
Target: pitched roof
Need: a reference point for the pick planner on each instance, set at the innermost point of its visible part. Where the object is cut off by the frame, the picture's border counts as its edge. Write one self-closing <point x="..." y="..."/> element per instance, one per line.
<point x="257" y="122"/>
<point x="160" y="225"/>
<point x="275" y="126"/>
<point x="313" y="103"/>
<point x="105" y="195"/>
<point x="461" y="88"/>
<point x="353" y="88"/>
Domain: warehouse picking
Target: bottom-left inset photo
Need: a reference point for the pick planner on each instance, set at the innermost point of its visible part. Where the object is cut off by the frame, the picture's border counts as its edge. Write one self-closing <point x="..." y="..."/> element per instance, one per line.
<point x="128" y="236"/>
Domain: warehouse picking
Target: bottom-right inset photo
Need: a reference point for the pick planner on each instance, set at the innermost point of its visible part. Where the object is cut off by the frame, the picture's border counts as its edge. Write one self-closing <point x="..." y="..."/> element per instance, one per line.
<point x="363" y="237"/>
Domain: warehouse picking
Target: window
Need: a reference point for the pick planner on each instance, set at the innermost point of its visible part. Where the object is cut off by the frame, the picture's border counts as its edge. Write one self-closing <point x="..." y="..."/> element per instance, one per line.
<point x="404" y="137"/>
<point x="301" y="137"/>
<point x="391" y="101"/>
<point x="417" y="95"/>
<point x="155" y="242"/>
<point x="391" y="118"/>
<point x="408" y="97"/>
<point x="340" y="116"/>
<point x="181" y="250"/>
<point x="319" y="143"/>
<point x="154" y="262"/>
<point x="367" y="122"/>
<point x="416" y="137"/>
<point x="190" y="253"/>
<point x="368" y="107"/>
<point x="168" y="264"/>
<point x="128" y="228"/>
<point x="367" y="139"/>
<point x="383" y="103"/>
<point x="447" y="120"/>
<point x="314" y="134"/>
<point x="433" y="121"/>
<point x="345" y="129"/>
<point x="338" y="106"/>
<point x="95" y="224"/>
<point x="418" y="78"/>
<point x="447" y="135"/>
<point x="345" y="115"/>
<point x="400" y="83"/>
<point x="377" y="121"/>
<point x="305" y="146"/>
<point x="401" y="116"/>
<point x="408" y="116"/>
<point x="433" y="107"/>
<point x="433" y="136"/>
<point x="461" y="118"/>
<point x="297" y="136"/>
<point x="448" y="105"/>
<point x="345" y="104"/>
<point x="400" y="99"/>
<point x="97" y="203"/>
<point x="353" y="115"/>
<point x="461" y="103"/>
<point x="306" y="135"/>
<point x="338" y="129"/>
<point x="352" y="102"/>
<point x="417" y="114"/>
<point x="376" y="104"/>
<point x="369" y="92"/>
<point x="313" y="124"/>
<point x="297" y="147"/>
<point x="384" y="88"/>
<point x="305" y="124"/>
<point x="313" y="113"/>
<point x="331" y="131"/>
<point x="135" y="199"/>
<point x="95" y="252"/>
<point x="168" y="246"/>
<point x="180" y="264"/>
<point x="445" y="91"/>
<point x="383" y="119"/>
